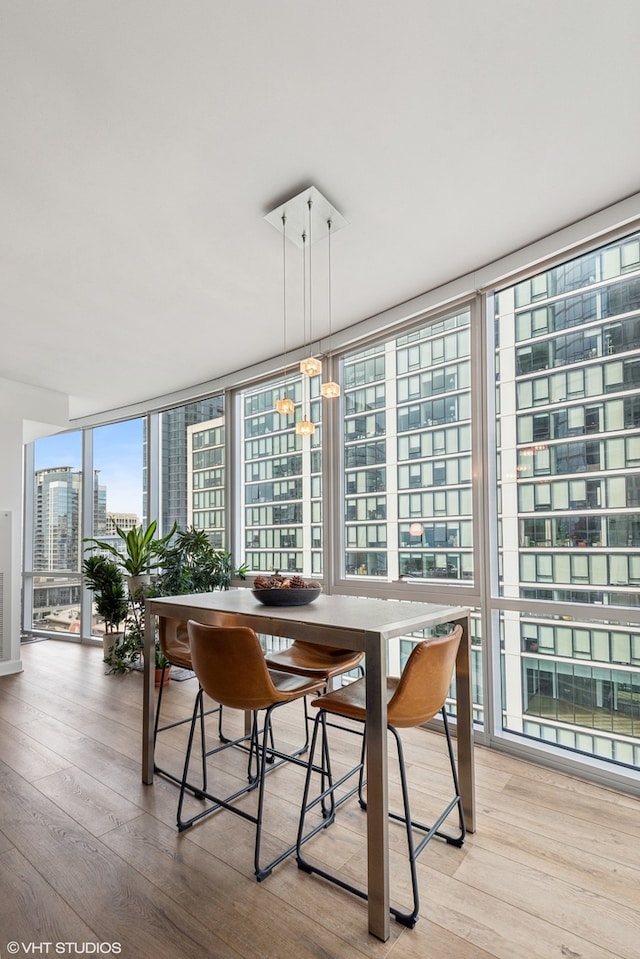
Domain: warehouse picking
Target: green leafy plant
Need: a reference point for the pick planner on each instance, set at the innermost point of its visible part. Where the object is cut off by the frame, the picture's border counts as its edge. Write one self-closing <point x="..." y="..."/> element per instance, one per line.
<point x="124" y="653"/>
<point x="140" y="551"/>
<point x="160" y="657"/>
<point x="192" y="565"/>
<point x="104" y="578"/>
<point x="126" y="649"/>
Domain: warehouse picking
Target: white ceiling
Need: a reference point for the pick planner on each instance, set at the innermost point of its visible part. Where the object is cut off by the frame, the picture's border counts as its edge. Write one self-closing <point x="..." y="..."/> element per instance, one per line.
<point x="143" y="141"/>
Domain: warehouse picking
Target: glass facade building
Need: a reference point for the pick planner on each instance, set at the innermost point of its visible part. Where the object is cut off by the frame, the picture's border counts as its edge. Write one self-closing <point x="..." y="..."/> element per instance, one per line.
<point x="407" y="456"/>
<point x="205" y="480"/>
<point x="174" y="428"/>
<point x="281" y="487"/>
<point x="568" y="455"/>
<point x="57" y="545"/>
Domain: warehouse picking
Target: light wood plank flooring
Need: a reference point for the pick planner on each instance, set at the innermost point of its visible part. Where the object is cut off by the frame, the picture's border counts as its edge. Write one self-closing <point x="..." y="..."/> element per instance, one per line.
<point x="90" y="855"/>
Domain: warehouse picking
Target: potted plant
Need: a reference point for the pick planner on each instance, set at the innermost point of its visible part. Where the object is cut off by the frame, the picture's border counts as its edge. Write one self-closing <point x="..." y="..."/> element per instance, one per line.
<point x="161" y="662"/>
<point x="192" y="565"/>
<point x="104" y="578"/>
<point x="139" y="553"/>
<point x="125" y="651"/>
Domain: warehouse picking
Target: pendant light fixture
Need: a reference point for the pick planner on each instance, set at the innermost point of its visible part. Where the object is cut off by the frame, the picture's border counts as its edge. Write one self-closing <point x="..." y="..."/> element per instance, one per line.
<point x="303" y="220"/>
<point x="305" y="427"/>
<point x="284" y="404"/>
<point x="310" y="365"/>
<point x="329" y="389"/>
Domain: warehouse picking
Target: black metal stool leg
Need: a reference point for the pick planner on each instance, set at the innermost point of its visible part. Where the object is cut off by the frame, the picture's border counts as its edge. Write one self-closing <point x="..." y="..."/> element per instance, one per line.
<point x="183" y="785"/>
<point x="157" y="728"/>
<point x="408" y="919"/>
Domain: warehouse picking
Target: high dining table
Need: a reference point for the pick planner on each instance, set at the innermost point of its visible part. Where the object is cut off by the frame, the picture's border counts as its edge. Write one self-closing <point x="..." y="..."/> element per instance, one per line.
<point x="348" y="622"/>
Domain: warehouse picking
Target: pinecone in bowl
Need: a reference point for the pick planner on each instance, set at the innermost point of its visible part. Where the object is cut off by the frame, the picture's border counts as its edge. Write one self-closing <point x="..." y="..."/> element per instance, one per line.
<point x="297" y="582"/>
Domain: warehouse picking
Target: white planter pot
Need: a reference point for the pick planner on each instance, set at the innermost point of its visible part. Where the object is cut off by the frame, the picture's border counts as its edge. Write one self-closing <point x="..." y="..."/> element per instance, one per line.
<point x="135" y="583"/>
<point x="107" y="642"/>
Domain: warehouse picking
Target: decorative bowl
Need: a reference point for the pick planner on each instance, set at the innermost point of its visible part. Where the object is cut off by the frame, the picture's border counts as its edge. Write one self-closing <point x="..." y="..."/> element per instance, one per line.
<point x="286" y="597"/>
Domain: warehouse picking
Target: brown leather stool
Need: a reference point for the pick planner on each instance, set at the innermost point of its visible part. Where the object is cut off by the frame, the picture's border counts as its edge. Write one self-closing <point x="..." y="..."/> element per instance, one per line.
<point x="315" y="662"/>
<point x="231" y="669"/>
<point x="174" y="643"/>
<point x="412" y="700"/>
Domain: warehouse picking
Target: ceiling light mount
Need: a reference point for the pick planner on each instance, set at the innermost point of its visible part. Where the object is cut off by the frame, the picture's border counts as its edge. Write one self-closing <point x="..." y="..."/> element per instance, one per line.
<point x="296" y="213"/>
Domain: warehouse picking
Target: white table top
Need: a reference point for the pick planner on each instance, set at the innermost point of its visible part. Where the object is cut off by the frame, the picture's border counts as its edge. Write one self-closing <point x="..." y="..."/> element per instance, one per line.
<point x="356" y="616"/>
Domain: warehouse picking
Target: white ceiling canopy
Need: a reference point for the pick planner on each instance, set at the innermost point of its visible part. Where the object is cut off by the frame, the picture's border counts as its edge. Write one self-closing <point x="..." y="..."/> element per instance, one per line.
<point x="294" y="217"/>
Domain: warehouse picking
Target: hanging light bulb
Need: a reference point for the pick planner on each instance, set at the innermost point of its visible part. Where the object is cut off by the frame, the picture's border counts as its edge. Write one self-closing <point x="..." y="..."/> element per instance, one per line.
<point x="305" y="427"/>
<point x="312" y="366"/>
<point x="284" y="404"/>
<point x="329" y="389"/>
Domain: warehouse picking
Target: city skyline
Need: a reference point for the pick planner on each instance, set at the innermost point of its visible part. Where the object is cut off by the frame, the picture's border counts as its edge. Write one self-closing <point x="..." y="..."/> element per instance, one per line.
<point x="118" y="455"/>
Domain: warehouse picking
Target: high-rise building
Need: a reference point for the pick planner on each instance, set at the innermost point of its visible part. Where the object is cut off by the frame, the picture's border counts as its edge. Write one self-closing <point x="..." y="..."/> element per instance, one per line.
<point x="174" y="425"/>
<point x="124" y="521"/>
<point x="281" y="489"/>
<point x="57" y="513"/>
<point x="407" y="456"/>
<point x="568" y="409"/>
<point x="57" y="543"/>
<point x="206" y="479"/>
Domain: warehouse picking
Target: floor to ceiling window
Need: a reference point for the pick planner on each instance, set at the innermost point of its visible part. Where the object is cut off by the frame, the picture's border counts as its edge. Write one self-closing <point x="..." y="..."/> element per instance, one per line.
<point x="405" y="489"/>
<point x="407" y="456"/>
<point x="568" y="453"/>
<point x="118" y="495"/>
<point x="113" y="457"/>
<point x="407" y="509"/>
<point x="53" y="552"/>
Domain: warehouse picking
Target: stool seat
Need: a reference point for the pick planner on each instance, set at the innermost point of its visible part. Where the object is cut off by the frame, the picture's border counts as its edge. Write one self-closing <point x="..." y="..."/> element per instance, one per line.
<point x="315" y="662"/>
<point x="308" y="659"/>
<point x="412" y="699"/>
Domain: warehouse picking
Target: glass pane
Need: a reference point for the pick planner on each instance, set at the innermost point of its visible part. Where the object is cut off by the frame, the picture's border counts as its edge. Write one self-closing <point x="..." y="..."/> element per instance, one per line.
<point x="570" y="438"/>
<point x="118" y="477"/>
<point x="192" y="461"/>
<point x="281" y="490"/>
<point x="420" y="439"/>
<point x="576" y="495"/>
<point x="57" y="532"/>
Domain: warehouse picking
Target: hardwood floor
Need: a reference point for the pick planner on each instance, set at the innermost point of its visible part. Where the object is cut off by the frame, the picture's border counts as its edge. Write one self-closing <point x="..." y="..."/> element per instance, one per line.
<point x="90" y="855"/>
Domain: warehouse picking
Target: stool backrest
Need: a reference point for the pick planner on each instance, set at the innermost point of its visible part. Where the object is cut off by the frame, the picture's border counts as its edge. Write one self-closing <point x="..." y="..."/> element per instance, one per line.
<point x="173" y="638"/>
<point x="230" y="666"/>
<point x="423" y="686"/>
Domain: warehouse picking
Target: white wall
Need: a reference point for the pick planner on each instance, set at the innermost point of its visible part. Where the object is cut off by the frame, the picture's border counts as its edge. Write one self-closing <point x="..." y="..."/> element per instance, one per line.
<point x="26" y="413"/>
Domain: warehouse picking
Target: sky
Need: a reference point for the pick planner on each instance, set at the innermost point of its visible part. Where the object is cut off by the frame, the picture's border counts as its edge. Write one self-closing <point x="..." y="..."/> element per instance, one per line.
<point x="117" y="453"/>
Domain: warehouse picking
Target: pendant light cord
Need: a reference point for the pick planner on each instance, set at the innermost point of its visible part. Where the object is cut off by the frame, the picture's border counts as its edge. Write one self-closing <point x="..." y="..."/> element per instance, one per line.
<point x="309" y="204"/>
<point x="284" y="298"/>
<point x="329" y="275"/>
<point x="304" y="287"/>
